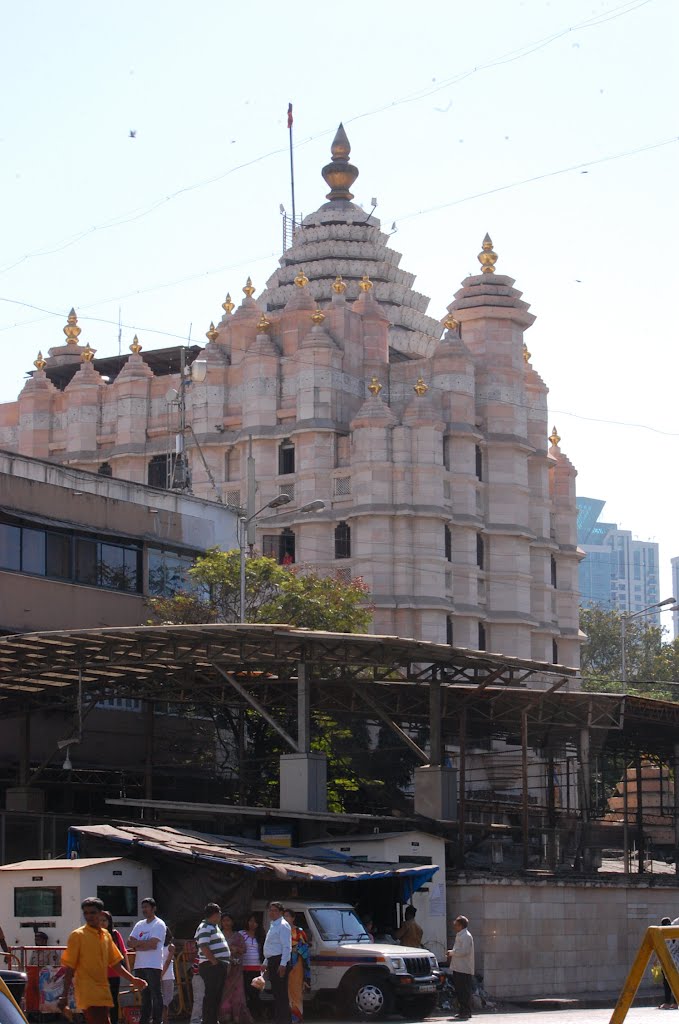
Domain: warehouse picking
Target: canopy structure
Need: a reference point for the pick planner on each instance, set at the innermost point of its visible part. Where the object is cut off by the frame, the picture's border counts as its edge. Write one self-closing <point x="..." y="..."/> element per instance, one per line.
<point x="457" y="699"/>
<point x="193" y="868"/>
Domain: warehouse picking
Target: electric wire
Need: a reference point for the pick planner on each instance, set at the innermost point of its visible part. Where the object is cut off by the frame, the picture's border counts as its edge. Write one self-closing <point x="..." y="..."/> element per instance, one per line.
<point x="510" y="57"/>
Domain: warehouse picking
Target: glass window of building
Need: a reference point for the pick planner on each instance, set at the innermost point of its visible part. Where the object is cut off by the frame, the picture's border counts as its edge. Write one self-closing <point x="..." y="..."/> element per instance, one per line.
<point x="286" y="458"/>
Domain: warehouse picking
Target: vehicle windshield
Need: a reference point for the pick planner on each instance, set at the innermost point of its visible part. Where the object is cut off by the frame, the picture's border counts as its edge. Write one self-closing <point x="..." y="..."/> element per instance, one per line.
<point x="8" y="1011"/>
<point x="339" y="925"/>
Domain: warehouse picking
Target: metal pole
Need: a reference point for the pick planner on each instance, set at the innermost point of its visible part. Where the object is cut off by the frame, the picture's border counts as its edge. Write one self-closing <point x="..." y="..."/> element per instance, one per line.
<point x="303" y="709"/>
<point x="435" y="738"/>
<point x="524" y="788"/>
<point x="292" y="170"/>
<point x="625" y="822"/>
<point x="242" y="522"/>
<point x="461" y="802"/>
<point x="623" y="654"/>
<point x="676" y="807"/>
<point x="640" y="814"/>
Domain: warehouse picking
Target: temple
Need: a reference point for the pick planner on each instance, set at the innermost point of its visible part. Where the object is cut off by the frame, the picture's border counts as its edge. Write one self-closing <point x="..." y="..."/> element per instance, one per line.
<point x="426" y="438"/>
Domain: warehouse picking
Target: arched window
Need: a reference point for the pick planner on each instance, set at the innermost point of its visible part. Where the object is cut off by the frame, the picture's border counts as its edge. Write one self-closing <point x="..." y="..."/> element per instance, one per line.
<point x="232" y="465"/>
<point x="105" y="469"/>
<point x="342" y="541"/>
<point x="448" y="543"/>
<point x="449" y="630"/>
<point x="482" y="637"/>
<point x="479" y="462"/>
<point x="552" y="565"/>
<point x="480" y="552"/>
<point x="555" y="653"/>
<point x="446" y="452"/>
<point x="286" y="457"/>
<point x="162" y="470"/>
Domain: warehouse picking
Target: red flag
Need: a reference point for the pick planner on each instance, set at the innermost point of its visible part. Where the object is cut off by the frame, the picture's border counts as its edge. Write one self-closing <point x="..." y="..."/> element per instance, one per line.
<point x="289" y="115"/>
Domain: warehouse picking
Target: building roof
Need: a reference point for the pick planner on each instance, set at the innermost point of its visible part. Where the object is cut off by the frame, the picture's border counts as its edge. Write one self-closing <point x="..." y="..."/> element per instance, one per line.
<point x="78" y="864"/>
<point x="251" y="855"/>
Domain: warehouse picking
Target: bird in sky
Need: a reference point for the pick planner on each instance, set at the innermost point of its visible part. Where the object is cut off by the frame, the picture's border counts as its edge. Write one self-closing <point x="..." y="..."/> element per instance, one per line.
<point x="133" y="133"/>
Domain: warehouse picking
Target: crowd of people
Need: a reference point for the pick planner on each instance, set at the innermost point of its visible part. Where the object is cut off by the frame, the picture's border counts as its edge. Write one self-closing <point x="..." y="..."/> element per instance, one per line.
<point x="229" y="970"/>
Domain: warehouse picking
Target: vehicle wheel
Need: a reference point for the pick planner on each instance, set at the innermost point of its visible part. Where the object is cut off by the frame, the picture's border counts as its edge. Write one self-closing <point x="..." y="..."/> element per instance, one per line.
<point x="368" y="997"/>
<point x="420" y="1007"/>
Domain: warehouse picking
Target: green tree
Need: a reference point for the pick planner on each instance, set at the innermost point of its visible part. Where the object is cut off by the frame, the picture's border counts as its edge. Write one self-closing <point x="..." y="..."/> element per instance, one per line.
<point x="652" y="664"/>
<point x="273" y="593"/>
<point x="359" y="778"/>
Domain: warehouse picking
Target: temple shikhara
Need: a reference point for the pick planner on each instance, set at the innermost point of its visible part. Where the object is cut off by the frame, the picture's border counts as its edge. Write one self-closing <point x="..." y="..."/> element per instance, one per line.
<point x="428" y="439"/>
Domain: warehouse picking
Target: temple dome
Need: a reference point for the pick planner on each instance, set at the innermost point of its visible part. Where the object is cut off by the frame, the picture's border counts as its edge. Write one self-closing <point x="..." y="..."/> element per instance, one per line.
<point x="341" y="239"/>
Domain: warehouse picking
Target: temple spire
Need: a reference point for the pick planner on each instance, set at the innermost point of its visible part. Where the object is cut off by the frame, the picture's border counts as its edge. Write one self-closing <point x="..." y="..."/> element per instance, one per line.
<point x="487" y="258"/>
<point x="339" y="174"/>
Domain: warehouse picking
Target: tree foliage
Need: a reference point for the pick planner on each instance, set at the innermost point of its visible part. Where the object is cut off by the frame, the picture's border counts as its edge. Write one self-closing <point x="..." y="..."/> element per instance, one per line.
<point x="652" y="662"/>
<point x="366" y="765"/>
<point x="273" y="593"/>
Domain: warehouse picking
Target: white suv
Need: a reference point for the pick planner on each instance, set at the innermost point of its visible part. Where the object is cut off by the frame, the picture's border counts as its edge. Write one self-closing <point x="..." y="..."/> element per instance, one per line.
<point x="370" y="978"/>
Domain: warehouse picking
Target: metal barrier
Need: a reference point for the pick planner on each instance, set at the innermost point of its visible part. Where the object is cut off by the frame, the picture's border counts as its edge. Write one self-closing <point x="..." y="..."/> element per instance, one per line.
<point x="654" y="941"/>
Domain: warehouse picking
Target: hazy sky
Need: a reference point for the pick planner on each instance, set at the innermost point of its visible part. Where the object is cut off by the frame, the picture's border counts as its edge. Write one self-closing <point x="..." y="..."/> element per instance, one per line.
<point x="442" y="102"/>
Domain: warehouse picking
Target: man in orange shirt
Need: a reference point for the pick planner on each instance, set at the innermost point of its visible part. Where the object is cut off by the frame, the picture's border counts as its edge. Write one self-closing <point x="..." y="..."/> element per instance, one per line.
<point x="88" y="955"/>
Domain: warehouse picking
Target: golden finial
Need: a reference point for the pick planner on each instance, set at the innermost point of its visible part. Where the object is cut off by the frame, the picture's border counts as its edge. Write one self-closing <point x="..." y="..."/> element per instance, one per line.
<point x="526" y="353"/>
<point x="71" y="330"/>
<point x="87" y="354"/>
<point x="249" y="288"/>
<point x="554" y="437"/>
<point x="263" y="325"/>
<point x="420" y="388"/>
<point x="40" y="363"/>
<point x="450" y="323"/>
<point x="374" y="387"/>
<point x="365" y="284"/>
<point x="212" y="334"/>
<point x="135" y="347"/>
<point x="301" y="279"/>
<point x="339" y="174"/>
<point x="227" y="305"/>
<point x="487" y="258"/>
<point x="339" y="286"/>
<point x="318" y="317"/>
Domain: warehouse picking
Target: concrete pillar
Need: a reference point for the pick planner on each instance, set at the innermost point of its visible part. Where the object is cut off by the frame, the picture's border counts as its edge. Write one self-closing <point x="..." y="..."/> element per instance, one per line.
<point x="304" y="782"/>
<point x="435" y="792"/>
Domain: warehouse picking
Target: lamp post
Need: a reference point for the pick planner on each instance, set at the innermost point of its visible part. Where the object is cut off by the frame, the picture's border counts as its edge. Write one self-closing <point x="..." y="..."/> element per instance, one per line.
<point x="627" y="617"/>
<point x="282" y="499"/>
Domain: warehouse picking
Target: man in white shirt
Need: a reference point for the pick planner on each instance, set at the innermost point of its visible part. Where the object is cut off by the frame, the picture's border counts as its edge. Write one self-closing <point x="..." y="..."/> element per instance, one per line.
<point x="461" y="960"/>
<point x="146" y="940"/>
<point x="277" y="952"/>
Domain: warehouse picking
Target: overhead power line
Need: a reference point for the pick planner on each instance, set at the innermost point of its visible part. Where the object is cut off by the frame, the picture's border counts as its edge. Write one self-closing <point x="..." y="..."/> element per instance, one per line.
<point x="507" y="58"/>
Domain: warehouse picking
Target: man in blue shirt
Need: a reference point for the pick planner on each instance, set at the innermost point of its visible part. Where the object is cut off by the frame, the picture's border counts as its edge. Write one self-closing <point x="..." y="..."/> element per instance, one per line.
<point x="277" y="952"/>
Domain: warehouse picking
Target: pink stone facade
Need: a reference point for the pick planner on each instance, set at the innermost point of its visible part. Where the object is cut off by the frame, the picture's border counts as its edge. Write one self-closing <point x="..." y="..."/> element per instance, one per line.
<point x="428" y="445"/>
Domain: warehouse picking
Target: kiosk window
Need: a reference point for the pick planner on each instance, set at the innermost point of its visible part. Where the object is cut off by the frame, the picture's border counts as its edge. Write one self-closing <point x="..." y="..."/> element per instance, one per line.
<point x="37" y="901"/>
<point x="119" y="900"/>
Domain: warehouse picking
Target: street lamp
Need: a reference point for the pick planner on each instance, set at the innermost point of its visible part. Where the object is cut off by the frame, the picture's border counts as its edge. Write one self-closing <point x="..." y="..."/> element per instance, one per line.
<point x="627" y="617"/>
<point x="281" y="499"/>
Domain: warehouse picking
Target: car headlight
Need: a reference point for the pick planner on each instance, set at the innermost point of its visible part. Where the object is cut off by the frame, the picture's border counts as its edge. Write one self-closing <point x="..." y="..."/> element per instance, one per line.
<point x="434" y="963"/>
<point x="397" y="963"/>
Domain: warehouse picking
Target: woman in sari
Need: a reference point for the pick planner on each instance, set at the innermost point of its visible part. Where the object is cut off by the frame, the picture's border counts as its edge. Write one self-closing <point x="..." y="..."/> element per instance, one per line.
<point x="233" y="1006"/>
<point x="299" y="977"/>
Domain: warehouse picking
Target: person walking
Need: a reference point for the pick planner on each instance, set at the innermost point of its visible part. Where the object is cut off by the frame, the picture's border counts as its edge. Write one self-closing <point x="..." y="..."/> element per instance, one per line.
<point x="113" y="978"/>
<point x="90" y="952"/>
<point x="299" y="978"/>
<point x="167" y="977"/>
<point x="410" y="933"/>
<point x="197" y="991"/>
<point x="233" y="1006"/>
<point x="277" y="952"/>
<point x="461" y="960"/>
<point x="252" y="963"/>
<point x="213" y="960"/>
<point x="146" y="939"/>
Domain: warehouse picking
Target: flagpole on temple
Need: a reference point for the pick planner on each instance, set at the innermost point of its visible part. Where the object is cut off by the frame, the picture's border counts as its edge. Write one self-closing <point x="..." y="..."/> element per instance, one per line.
<point x="292" y="170"/>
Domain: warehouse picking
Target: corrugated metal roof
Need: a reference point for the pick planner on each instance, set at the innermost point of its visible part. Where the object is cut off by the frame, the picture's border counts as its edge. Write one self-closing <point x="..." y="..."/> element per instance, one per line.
<point x="252" y="855"/>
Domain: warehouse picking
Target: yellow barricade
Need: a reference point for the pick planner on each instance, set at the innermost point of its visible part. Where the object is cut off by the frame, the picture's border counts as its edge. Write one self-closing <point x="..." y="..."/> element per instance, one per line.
<point x="654" y="941"/>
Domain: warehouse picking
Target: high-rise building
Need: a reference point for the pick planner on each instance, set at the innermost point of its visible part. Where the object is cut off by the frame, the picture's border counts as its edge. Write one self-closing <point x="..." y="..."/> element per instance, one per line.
<point x="426" y="438"/>
<point x="618" y="572"/>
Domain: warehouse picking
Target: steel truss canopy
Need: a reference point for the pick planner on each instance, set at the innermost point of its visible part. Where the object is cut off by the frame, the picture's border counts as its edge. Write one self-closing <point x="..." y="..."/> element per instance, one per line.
<point x="406" y="680"/>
